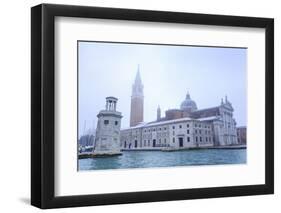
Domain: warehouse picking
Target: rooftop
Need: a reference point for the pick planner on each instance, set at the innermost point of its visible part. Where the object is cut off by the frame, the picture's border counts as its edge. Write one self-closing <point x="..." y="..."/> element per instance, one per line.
<point x="210" y="118"/>
<point x="156" y="123"/>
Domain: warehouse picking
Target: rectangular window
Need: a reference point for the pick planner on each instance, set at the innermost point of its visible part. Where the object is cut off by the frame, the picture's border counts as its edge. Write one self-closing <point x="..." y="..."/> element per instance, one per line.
<point x="106" y="122"/>
<point x="180" y="126"/>
<point x="173" y="140"/>
<point x="188" y="139"/>
<point x="187" y="125"/>
<point x="116" y="123"/>
<point x="196" y="139"/>
<point x="200" y="139"/>
<point x="187" y="131"/>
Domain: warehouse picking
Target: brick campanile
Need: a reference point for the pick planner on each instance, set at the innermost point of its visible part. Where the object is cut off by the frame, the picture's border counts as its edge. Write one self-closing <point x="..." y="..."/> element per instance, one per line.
<point x="137" y="101"/>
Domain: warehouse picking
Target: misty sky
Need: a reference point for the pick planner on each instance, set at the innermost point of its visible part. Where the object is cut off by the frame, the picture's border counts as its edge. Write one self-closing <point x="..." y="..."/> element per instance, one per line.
<point x="167" y="73"/>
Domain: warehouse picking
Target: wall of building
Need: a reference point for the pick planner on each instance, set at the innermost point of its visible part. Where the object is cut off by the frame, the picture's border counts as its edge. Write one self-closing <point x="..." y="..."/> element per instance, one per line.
<point x="242" y="135"/>
<point x="187" y="134"/>
<point x="229" y="125"/>
<point x="107" y="138"/>
<point x="136" y="115"/>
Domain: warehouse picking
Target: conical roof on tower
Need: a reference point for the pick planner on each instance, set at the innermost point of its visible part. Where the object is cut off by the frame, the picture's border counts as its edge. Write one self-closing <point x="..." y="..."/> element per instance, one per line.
<point x="138" y="78"/>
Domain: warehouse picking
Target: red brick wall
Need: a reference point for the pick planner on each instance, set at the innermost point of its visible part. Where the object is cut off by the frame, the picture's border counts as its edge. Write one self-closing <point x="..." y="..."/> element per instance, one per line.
<point x="136" y="111"/>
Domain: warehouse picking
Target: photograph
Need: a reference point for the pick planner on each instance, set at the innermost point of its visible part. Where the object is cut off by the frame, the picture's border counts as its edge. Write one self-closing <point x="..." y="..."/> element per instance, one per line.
<point x="139" y="105"/>
<point x="160" y="105"/>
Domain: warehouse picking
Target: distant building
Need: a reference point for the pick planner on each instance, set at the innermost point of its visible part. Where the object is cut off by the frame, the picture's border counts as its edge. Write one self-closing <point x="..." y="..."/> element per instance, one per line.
<point x="185" y="127"/>
<point x="87" y="140"/>
<point x="242" y="134"/>
<point x="107" y="141"/>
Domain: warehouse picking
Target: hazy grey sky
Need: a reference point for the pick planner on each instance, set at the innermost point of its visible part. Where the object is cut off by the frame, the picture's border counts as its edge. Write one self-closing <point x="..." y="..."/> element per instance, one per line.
<point x="167" y="73"/>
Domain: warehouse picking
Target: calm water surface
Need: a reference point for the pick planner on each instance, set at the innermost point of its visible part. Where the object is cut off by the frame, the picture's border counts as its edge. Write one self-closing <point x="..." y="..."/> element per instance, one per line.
<point x="145" y="159"/>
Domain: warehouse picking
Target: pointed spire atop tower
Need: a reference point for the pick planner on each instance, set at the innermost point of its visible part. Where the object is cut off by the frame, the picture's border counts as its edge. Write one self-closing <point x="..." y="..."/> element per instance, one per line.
<point x="138" y="78"/>
<point x="137" y="86"/>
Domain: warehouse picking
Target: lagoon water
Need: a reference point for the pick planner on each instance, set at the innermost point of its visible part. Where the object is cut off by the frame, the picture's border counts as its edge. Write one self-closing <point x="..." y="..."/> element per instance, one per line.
<point x="147" y="159"/>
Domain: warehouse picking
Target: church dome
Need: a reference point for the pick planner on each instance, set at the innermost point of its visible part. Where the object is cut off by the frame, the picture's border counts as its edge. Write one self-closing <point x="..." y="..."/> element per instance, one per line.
<point x="188" y="104"/>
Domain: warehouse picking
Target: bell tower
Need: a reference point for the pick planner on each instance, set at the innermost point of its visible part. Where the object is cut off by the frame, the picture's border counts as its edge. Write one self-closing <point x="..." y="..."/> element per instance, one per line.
<point x="137" y="97"/>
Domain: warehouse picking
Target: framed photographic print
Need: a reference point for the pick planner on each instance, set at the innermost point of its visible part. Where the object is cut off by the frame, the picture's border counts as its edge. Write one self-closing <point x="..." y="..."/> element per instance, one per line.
<point x="139" y="106"/>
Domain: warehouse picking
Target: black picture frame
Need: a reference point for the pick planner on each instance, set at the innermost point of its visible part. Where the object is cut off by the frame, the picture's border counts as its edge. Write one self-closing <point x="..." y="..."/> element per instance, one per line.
<point x="43" y="105"/>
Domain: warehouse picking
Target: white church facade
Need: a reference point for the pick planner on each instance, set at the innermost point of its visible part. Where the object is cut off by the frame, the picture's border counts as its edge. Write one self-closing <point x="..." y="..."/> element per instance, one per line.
<point x="186" y="127"/>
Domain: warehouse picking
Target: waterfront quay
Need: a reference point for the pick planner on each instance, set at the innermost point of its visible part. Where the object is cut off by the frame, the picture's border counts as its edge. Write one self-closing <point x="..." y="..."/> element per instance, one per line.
<point x="89" y="154"/>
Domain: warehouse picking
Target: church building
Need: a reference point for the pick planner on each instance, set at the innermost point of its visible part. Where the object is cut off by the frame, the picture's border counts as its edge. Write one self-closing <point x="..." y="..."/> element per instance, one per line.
<point x="185" y="127"/>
